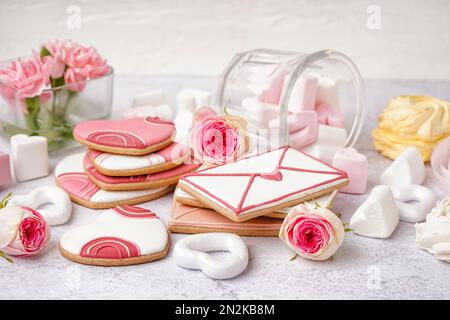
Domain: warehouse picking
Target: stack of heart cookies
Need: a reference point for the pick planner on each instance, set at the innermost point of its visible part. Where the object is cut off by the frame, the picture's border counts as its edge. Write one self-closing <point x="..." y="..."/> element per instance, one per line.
<point x="252" y="196"/>
<point x="127" y="162"/>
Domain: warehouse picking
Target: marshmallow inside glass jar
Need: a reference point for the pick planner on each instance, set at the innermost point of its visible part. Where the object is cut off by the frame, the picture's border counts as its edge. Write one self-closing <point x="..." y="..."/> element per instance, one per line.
<point x="314" y="102"/>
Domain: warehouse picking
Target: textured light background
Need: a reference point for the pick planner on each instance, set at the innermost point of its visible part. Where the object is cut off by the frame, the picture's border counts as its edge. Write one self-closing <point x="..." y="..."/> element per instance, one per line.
<point x="198" y="37"/>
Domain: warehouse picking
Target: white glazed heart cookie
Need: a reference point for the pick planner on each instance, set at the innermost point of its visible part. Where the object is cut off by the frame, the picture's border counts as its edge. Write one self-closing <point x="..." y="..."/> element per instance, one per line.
<point x="121" y="236"/>
<point x="70" y="176"/>
<point x="111" y="164"/>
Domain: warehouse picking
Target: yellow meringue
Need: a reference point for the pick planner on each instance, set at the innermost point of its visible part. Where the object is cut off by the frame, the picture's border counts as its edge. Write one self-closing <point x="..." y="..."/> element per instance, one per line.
<point x="421" y="121"/>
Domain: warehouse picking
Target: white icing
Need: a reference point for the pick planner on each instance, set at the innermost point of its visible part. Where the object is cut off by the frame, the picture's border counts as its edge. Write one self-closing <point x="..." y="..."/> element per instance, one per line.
<point x="191" y="252"/>
<point x="231" y="188"/>
<point x="122" y="162"/>
<point x="72" y="163"/>
<point x="51" y="202"/>
<point x="150" y="235"/>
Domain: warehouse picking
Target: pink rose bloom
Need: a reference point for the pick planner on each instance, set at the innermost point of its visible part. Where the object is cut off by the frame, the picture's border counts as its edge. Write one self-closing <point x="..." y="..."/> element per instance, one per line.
<point x="312" y="233"/>
<point x="218" y="139"/>
<point x="23" y="231"/>
<point x="26" y="77"/>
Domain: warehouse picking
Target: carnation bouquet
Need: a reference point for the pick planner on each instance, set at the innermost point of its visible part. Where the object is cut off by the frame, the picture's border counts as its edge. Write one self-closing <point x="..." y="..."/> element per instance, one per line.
<point x="48" y="92"/>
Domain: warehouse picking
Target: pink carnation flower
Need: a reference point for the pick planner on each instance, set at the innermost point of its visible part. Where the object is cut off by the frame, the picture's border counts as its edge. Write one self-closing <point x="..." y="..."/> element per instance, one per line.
<point x="25" y="78"/>
<point x="76" y="62"/>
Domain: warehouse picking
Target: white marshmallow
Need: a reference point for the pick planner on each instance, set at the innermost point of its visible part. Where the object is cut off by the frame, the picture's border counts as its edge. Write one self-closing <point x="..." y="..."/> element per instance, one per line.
<point x="151" y="98"/>
<point x="150" y="104"/>
<point x="329" y="141"/>
<point x="378" y="216"/>
<point x="407" y="169"/>
<point x="259" y="113"/>
<point x="29" y="157"/>
<point x="193" y="99"/>
<point x="163" y="111"/>
<point x="191" y="252"/>
<point x="51" y="202"/>
<point x="413" y="202"/>
<point x="303" y="96"/>
<point x="327" y="92"/>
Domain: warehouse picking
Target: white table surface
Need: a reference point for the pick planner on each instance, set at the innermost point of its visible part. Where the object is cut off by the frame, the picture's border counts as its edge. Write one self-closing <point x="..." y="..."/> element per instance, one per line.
<point x="363" y="268"/>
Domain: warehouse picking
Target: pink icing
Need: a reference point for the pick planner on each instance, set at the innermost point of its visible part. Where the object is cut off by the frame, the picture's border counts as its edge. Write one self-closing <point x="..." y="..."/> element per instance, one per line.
<point x="183" y="215"/>
<point x="170" y="153"/>
<point x="134" y="212"/>
<point x="77" y="184"/>
<point x="135" y="133"/>
<point x="240" y="208"/>
<point x="174" y="172"/>
<point x="110" y="248"/>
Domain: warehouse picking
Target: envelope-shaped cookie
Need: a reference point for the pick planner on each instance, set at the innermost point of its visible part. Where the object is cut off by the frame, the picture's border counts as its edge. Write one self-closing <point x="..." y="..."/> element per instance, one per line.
<point x="264" y="183"/>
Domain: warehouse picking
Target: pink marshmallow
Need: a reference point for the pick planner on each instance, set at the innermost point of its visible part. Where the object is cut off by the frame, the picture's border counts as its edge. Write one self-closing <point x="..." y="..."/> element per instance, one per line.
<point x="272" y="94"/>
<point x="357" y="168"/>
<point x="5" y="170"/>
<point x="330" y="116"/>
<point x="303" y="128"/>
<point x="303" y="95"/>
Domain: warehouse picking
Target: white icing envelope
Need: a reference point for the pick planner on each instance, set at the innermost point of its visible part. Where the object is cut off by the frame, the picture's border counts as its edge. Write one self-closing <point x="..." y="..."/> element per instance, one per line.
<point x="253" y="186"/>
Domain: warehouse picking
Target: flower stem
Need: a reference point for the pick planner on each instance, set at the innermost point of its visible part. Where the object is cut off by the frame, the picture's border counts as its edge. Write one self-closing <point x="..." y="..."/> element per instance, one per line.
<point x="33" y="107"/>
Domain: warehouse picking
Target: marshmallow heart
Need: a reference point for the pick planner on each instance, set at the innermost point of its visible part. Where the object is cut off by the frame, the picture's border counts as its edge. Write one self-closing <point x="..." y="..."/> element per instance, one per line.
<point x="357" y="167"/>
<point x="378" y="216"/>
<point x="192" y="99"/>
<point x="407" y="169"/>
<point x="51" y="202"/>
<point x="329" y="141"/>
<point x="29" y="156"/>
<point x="413" y="202"/>
<point x="191" y="252"/>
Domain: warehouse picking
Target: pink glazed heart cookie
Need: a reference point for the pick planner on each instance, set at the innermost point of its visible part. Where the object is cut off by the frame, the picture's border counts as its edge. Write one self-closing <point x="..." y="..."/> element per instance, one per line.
<point x="70" y="176"/>
<point x="136" y="136"/>
<point x="262" y="184"/>
<point x="141" y="182"/>
<point x="121" y="236"/>
<point x="117" y="165"/>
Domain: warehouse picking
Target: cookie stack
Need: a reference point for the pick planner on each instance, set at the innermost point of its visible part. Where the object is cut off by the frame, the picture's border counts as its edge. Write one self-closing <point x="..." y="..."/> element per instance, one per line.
<point x="252" y="196"/>
<point x="128" y="161"/>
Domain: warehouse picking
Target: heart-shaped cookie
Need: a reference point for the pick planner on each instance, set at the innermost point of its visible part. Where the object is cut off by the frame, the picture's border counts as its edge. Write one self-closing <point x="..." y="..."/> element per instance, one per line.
<point x="124" y="235"/>
<point x="136" y="136"/>
<point x="191" y="252"/>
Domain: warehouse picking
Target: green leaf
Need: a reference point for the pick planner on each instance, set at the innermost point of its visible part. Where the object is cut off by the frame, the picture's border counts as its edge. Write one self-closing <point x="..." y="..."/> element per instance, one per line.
<point x="5" y="200"/>
<point x="225" y="110"/>
<point x="44" y="52"/>
<point x="348" y="230"/>
<point x="4" y="256"/>
<point x="293" y="257"/>
<point x="317" y="205"/>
